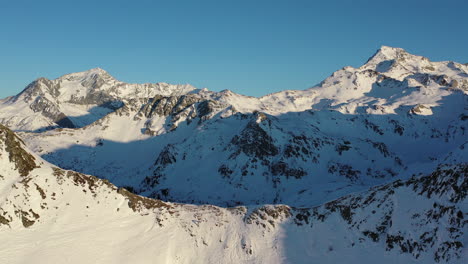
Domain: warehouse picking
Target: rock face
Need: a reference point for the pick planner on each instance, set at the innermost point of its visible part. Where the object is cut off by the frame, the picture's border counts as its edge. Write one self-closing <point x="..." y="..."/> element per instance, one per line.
<point x="253" y="141"/>
<point x="49" y="110"/>
<point x="13" y="147"/>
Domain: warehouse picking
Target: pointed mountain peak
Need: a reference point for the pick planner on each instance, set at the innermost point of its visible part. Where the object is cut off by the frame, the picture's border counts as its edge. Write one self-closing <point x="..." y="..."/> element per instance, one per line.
<point x="388" y="49"/>
<point x="89" y="74"/>
<point x="96" y="71"/>
<point x="396" y="61"/>
<point x="386" y="53"/>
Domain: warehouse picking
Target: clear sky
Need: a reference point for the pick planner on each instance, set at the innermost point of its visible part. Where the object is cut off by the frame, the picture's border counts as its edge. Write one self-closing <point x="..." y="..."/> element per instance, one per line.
<point x="252" y="47"/>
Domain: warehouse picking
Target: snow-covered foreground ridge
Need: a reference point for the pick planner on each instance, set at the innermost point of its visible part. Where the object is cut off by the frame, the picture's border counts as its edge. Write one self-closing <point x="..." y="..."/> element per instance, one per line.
<point x="51" y="215"/>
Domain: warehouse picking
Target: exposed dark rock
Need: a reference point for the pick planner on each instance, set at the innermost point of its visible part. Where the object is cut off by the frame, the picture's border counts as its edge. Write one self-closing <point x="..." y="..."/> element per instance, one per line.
<point x="282" y="168"/>
<point x="225" y="171"/>
<point x="381" y="147"/>
<point x="344" y="170"/>
<point x="27" y="218"/>
<point x="166" y="156"/>
<point x="373" y="126"/>
<point x="165" y="106"/>
<point x="4" y="220"/>
<point x="453" y="182"/>
<point x="139" y="203"/>
<point x="397" y="127"/>
<point x="341" y="147"/>
<point x="51" y="111"/>
<point x="205" y="108"/>
<point x="24" y="162"/>
<point x="255" y="142"/>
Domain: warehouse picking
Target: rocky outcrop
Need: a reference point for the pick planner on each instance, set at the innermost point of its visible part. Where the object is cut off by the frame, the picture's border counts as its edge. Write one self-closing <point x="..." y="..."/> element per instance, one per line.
<point x="13" y="146"/>
<point x="51" y="111"/>
<point x="254" y="141"/>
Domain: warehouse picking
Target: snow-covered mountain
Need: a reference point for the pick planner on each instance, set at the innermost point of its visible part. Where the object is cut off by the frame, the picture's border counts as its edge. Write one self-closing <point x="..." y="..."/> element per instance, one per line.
<point x="51" y="215"/>
<point x="397" y="115"/>
<point x="75" y="100"/>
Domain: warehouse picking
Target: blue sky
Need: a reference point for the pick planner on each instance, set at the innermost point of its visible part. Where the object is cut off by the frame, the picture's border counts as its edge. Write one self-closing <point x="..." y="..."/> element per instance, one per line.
<point x="252" y="47"/>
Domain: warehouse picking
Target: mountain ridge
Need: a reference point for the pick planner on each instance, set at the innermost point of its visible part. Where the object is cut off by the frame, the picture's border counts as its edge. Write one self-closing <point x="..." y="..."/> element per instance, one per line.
<point x="76" y="94"/>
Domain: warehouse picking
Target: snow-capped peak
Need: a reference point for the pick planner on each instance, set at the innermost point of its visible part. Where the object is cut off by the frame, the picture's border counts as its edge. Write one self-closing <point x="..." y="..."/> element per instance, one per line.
<point x="387" y="58"/>
<point x="86" y="74"/>
<point x="391" y="52"/>
<point x="93" y="79"/>
<point x="91" y="86"/>
<point x="398" y="64"/>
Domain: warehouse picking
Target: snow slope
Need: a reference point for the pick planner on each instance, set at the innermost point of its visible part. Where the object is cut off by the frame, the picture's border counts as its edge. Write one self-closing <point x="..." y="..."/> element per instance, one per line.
<point x="50" y="215"/>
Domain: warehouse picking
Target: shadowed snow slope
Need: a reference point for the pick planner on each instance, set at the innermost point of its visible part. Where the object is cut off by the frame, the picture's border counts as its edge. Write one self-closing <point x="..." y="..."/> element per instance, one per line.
<point x="51" y="215"/>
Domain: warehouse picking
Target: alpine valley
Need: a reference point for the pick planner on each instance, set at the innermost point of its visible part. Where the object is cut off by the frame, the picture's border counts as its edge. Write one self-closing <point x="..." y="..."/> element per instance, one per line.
<point x="370" y="165"/>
